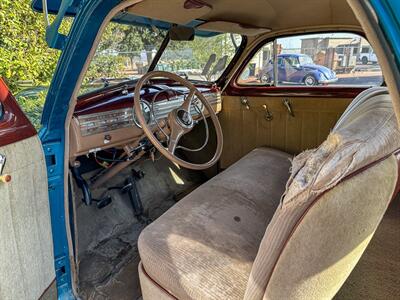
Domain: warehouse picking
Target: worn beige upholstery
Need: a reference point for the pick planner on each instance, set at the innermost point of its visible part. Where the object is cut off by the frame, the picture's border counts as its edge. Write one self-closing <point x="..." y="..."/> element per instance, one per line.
<point x="334" y="200"/>
<point x="26" y="244"/>
<point x="150" y="290"/>
<point x="204" y="246"/>
<point x="365" y="133"/>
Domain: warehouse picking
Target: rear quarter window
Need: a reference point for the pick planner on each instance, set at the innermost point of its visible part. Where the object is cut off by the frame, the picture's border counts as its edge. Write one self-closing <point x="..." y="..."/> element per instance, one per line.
<point x="329" y="59"/>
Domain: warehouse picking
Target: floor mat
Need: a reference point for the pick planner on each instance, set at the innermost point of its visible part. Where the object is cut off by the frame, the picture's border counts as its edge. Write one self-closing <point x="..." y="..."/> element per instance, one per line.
<point x="107" y="257"/>
<point x="377" y="274"/>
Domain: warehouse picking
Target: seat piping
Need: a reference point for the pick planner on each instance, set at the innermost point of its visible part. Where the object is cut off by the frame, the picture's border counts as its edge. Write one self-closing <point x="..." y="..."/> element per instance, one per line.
<point x="156" y="283"/>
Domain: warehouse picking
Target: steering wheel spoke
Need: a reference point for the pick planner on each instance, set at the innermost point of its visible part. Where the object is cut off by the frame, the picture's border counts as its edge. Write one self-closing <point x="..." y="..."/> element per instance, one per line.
<point x="188" y="100"/>
<point x="176" y="132"/>
<point x="173" y="140"/>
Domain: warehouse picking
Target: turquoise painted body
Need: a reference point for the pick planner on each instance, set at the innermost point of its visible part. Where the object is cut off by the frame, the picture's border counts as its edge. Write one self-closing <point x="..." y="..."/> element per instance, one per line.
<point x="388" y="13"/>
<point x="71" y="62"/>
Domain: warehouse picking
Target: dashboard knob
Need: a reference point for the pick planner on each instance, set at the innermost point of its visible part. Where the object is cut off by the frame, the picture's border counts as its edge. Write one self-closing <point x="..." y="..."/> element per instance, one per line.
<point x="107" y="139"/>
<point x="5" y="178"/>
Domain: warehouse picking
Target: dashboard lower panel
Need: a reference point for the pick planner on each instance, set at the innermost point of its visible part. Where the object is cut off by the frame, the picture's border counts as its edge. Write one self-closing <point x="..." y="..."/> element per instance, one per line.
<point x="99" y="125"/>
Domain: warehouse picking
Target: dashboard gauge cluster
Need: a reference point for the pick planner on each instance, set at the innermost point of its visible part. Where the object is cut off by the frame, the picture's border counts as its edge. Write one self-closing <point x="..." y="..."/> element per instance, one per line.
<point x="97" y="123"/>
<point x="105" y="121"/>
<point x="111" y="120"/>
<point x="146" y="110"/>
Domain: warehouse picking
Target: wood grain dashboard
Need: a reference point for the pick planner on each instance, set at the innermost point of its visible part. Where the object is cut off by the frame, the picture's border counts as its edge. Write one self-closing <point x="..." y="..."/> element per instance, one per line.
<point x="107" y="119"/>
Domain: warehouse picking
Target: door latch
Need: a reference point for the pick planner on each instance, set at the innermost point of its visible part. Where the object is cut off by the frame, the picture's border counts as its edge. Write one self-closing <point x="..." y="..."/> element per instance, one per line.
<point x="3" y="178"/>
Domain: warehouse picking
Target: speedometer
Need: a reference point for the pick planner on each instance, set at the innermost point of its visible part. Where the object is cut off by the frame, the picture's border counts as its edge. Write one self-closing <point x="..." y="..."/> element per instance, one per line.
<point x="146" y="110"/>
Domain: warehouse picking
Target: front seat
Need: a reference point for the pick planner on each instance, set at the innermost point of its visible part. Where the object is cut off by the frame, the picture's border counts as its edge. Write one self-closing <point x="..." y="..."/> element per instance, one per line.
<point x="234" y="238"/>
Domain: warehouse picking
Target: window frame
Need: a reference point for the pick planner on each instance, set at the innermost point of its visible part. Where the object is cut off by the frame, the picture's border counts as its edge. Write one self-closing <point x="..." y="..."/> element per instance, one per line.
<point x="234" y="88"/>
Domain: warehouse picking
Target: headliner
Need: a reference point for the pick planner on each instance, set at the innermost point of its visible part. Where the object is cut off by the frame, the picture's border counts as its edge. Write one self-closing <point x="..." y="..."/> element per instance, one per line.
<point x="275" y="15"/>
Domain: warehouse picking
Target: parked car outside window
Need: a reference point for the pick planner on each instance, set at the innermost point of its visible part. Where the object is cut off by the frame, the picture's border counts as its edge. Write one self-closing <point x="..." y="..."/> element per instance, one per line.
<point x="334" y="59"/>
<point x="297" y="69"/>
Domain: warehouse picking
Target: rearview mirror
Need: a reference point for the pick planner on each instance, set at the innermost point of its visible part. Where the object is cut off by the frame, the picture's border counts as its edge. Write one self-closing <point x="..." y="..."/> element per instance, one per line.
<point x="181" y="33"/>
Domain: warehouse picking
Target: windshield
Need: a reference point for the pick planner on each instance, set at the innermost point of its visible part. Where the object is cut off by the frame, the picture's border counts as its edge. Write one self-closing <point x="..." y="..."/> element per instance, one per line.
<point x="204" y="58"/>
<point x="125" y="53"/>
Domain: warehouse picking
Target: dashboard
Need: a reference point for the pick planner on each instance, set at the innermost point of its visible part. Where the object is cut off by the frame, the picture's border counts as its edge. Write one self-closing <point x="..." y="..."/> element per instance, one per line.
<point x="108" y="119"/>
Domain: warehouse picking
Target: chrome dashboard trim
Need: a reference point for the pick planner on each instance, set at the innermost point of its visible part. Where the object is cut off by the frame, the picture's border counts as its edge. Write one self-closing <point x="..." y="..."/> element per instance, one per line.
<point x="120" y="118"/>
<point x="162" y="108"/>
<point x="106" y="121"/>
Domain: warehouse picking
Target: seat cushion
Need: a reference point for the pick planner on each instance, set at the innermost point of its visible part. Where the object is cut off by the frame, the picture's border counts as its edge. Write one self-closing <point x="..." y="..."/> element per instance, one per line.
<point x="205" y="245"/>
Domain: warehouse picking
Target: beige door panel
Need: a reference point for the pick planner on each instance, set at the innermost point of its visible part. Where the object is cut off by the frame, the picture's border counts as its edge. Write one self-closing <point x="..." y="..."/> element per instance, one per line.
<point x="245" y="129"/>
<point x="26" y="248"/>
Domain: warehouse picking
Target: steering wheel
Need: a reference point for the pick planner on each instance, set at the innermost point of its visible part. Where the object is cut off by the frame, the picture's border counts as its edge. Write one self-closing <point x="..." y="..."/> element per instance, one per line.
<point x="179" y="121"/>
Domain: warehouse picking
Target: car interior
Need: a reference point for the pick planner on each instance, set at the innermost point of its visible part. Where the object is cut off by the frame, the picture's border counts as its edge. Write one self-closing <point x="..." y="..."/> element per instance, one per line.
<point x="217" y="183"/>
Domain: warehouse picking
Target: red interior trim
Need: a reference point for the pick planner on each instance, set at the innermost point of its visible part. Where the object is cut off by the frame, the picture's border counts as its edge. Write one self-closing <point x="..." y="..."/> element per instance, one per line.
<point x="156" y="283"/>
<point x="397" y="188"/>
<point x="195" y="4"/>
<point x="14" y="126"/>
<point x="235" y="89"/>
<point x="112" y="98"/>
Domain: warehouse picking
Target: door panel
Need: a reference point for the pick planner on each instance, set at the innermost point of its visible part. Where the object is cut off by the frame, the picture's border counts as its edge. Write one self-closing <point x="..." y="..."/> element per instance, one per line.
<point x="14" y="125"/>
<point x="26" y="249"/>
<point x="245" y="129"/>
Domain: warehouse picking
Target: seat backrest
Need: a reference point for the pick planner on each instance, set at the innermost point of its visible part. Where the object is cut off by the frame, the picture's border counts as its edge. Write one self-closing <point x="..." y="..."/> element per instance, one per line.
<point x="335" y="198"/>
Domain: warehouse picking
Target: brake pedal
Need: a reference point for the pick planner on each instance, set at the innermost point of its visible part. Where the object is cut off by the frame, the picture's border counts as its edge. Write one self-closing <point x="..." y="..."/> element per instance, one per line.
<point x="131" y="188"/>
<point x="101" y="203"/>
<point x="134" y="196"/>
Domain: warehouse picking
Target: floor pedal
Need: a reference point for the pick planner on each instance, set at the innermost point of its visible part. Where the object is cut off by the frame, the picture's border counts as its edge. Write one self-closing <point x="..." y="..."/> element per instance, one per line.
<point x="130" y="187"/>
<point x="101" y="203"/>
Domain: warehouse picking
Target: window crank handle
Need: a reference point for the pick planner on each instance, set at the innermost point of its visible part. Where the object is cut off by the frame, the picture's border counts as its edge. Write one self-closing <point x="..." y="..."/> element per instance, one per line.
<point x="268" y="115"/>
<point x="244" y="101"/>
<point x="288" y="106"/>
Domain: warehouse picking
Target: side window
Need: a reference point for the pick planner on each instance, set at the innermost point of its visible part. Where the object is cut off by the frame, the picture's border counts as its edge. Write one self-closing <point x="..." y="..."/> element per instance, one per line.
<point x="31" y="99"/>
<point x="259" y="71"/>
<point x="334" y="59"/>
